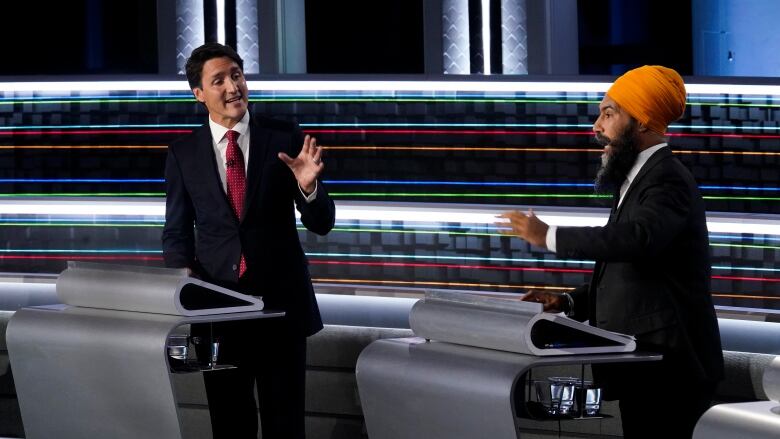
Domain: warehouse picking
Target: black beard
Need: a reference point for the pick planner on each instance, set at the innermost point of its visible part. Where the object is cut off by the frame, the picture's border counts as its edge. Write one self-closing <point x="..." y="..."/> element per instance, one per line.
<point x="615" y="167"/>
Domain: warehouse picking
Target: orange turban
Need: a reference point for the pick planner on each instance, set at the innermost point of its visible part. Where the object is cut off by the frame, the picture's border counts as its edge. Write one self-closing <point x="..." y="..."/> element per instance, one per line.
<point x="653" y="95"/>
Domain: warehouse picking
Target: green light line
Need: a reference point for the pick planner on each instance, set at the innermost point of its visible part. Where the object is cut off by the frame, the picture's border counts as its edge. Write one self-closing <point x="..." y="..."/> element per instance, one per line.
<point x="84" y="194"/>
<point x="462" y="195"/>
<point x="765" y="247"/>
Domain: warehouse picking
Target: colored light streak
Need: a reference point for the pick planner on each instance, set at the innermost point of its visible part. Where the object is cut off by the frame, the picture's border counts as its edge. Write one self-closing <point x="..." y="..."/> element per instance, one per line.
<point x="520" y="133"/>
<point x="461" y="195"/>
<point x="440" y="284"/>
<point x="82" y="180"/>
<point x="82" y="194"/>
<point x="466" y="267"/>
<point x="83" y="147"/>
<point x="749" y="279"/>
<point x="393" y="86"/>
<point x="514" y="149"/>
<point x="91" y="132"/>
<point x="81" y="257"/>
<point x="85" y="251"/>
<point x="97" y="127"/>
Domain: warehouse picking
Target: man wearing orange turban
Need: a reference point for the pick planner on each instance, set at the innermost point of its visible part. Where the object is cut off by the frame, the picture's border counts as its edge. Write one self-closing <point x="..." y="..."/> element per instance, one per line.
<point x="652" y="273"/>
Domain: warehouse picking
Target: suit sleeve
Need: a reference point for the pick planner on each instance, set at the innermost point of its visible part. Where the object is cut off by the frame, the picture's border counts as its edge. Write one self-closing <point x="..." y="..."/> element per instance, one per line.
<point x="178" y="237"/>
<point x="580" y="297"/>
<point x="659" y="215"/>
<point x="319" y="215"/>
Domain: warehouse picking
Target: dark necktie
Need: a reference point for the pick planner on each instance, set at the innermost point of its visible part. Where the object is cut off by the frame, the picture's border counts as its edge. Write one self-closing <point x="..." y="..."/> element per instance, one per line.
<point x="236" y="181"/>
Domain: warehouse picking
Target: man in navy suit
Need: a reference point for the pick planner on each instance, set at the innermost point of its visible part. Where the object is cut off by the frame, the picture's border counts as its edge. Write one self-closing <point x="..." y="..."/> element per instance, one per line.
<point x="232" y="185"/>
<point x="652" y="273"/>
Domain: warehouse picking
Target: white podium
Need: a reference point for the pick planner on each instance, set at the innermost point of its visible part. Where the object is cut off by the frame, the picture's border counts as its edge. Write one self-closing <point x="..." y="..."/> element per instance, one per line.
<point x="97" y="367"/>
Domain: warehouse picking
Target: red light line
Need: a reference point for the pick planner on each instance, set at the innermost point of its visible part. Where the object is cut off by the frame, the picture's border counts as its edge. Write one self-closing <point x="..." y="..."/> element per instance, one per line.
<point x="89" y="132"/>
<point x="83" y="258"/>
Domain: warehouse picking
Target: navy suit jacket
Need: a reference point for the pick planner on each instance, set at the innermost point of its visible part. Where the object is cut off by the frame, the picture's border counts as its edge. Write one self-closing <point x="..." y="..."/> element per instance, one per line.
<point x="652" y="273"/>
<point x="202" y="232"/>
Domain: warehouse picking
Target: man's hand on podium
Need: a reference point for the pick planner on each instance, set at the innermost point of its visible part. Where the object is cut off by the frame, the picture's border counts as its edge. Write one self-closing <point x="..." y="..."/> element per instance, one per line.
<point x="552" y="302"/>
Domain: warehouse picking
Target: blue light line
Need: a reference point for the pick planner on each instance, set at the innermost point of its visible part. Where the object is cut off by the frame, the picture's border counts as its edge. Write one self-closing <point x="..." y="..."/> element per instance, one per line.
<point x="78" y="251"/>
<point x="81" y="180"/>
<point x="46" y="127"/>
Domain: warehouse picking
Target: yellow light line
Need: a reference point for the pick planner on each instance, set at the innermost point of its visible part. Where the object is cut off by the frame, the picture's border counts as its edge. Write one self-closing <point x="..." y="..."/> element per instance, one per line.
<point x="83" y="147"/>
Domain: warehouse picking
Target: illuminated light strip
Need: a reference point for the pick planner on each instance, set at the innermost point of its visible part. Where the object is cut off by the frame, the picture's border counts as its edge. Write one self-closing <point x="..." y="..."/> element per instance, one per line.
<point x="525" y="133"/>
<point x="68" y="251"/>
<point x="462" y="195"/>
<point x="81" y="180"/>
<point x="327" y="94"/>
<point x="755" y="238"/>
<point x="459" y="148"/>
<point x="37" y="224"/>
<point x="120" y="207"/>
<point x="220" y="21"/>
<point x="387" y="211"/>
<point x="724" y="267"/>
<point x="377" y="86"/>
<point x="500" y="268"/>
<point x="765" y="247"/>
<point x="511" y="184"/>
<point x="90" y="127"/>
<point x="458" y="258"/>
<point x="82" y="257"/>
<point x="513" y="149"/>
<point x="90" y="132"/>
<point x="82" y="194"/>
<point x="505" y="268"/>
<point x="499" y="195"/>
<point x="83" y="147"/>
<point x="460" y="266"/>
<point x="751" y="279"/>
<point x="738" y="296"/>
<point x="357" y="99"/>
<point x="444" y="284"/>
<point x="507" y="125"/>
<point x="374" y="131"/>
<point x="413" y="232"/>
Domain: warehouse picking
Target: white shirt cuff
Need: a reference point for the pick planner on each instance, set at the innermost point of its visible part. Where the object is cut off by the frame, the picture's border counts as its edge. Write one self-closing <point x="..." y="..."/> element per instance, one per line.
<point x="550" y="238"/>
<point x="312" y="196"/>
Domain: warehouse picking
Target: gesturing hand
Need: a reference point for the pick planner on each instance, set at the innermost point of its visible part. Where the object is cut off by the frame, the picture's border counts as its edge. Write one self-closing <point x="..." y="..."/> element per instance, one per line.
<point x="307" y="166"/>
<point x="527" y="227"/>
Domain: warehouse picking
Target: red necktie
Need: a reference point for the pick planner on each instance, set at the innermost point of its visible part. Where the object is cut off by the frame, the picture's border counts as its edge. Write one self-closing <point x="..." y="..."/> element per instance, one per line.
<point x="236" y="181"/>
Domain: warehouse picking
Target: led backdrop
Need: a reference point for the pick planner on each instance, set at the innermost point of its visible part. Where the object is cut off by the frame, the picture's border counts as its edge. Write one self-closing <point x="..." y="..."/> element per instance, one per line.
<point x="418" y="169"/>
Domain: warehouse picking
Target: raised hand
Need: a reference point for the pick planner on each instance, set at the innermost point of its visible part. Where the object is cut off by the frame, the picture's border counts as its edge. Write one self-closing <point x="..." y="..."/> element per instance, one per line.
<point x="307" y="166"/>
<point x="527" y="227"/>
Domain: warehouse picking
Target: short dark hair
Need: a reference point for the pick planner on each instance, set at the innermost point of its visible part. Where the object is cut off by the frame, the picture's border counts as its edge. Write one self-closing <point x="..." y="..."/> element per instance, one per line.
<point x="199" y="56"/>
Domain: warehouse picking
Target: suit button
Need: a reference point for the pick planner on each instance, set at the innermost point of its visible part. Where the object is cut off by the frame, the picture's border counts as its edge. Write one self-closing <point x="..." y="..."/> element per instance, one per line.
<point x="235" y="267"/>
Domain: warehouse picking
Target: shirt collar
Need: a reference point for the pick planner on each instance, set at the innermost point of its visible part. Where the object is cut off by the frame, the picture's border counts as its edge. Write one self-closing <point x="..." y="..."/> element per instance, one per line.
<point x="641" y="159"/>
<point x="218" y="131"/>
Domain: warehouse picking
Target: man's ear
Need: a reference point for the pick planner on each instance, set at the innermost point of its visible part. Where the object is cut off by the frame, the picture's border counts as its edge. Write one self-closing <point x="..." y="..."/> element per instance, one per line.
<point x="642" y="127"/>
<point x="198" y="92"/>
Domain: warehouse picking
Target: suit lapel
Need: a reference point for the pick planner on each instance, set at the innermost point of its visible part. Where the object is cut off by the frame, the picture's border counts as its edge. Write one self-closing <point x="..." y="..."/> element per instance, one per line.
<point x="208" y="165"/>
<point x="258" y="155"/>
<point x="649" y="164"/>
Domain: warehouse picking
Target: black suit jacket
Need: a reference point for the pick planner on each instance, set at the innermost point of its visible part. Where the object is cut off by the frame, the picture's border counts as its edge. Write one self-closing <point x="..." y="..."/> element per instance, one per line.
<point x="652" y="275"/>
<point x="277" y="268"/>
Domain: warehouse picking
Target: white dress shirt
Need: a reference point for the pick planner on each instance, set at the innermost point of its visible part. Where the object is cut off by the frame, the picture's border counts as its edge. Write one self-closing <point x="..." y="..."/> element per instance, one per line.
<point x="641" y="159"/>
<point x="219" y="141"/>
